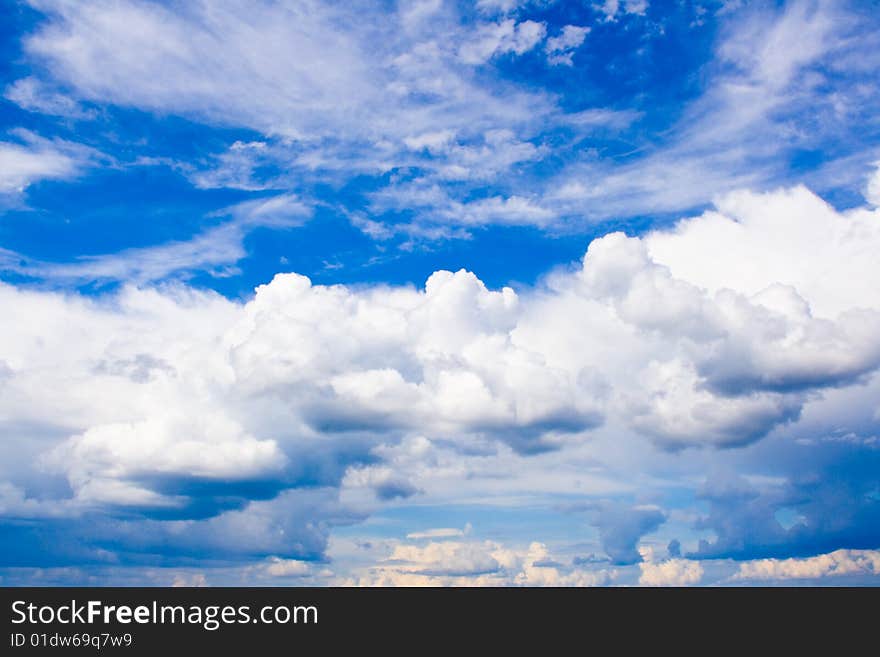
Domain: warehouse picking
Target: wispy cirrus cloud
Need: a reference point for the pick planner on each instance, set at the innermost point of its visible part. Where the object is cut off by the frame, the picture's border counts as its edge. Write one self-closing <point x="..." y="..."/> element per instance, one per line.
<point x="215" y="250"/>
<point x="33" y="158"/>
<point x="839" y="563"/>
<point x="766" y="98"/>
<point x="763" y="102"/>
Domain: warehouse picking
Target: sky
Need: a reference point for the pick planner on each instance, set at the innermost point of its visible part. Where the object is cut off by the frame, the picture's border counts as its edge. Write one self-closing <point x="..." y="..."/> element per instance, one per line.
<point x="440" y="293"/>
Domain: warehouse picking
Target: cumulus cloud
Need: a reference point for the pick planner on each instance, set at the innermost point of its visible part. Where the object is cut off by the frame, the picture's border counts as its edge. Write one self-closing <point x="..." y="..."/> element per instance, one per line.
<point x="737" y="358"/>
<point x="218" y="413"/>
<point x="834" y="564"/>
<point x="560" y="49"/>
<point x="189" y="581"/>
<point x="448" y="558"/>
<point x="507" y="36"/>
<point x="102" y="461"/>
<point x="787" y="237"/>
<point x="486" y="563"/>
<point x="824" y="512"/>
<point x="672" y="572"/>
<point x="621" y="527"/>
<point x="614" y="8"/>
<point x="277" y="567"/>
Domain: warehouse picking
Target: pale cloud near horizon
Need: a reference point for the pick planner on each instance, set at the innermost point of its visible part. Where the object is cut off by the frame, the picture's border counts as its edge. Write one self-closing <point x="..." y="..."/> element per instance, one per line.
<point x="486" y="563"/>
<point x="672" y="572"/>
<point x="835" y="564"/>
<point x="457" y="563"/>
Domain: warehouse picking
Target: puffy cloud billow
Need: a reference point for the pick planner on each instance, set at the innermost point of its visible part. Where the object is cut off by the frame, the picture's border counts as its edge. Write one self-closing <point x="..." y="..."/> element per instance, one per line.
<point x="839" y="563"/>
<point x="457" y="563"/>
<point x="173" y="416"/>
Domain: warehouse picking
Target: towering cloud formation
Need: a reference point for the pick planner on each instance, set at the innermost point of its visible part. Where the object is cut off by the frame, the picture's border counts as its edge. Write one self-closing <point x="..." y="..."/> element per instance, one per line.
<point x="189" y="408"/>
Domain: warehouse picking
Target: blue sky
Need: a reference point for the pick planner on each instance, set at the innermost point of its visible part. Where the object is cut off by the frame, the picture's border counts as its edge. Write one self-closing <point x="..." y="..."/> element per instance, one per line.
<point x="440" y="292"/>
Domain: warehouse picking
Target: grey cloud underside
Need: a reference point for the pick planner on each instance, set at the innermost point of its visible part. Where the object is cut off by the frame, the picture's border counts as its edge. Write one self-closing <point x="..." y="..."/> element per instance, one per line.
<point x="620" y="529"/>
<point x="833" y="511"/>
<point x="295" y="524"/>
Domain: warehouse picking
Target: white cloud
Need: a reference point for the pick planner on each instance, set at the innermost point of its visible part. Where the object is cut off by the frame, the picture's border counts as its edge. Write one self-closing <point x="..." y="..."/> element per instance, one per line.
<point x="505" y="6"/>
<point x="737" y="362"/>
<point x="487" y="563"/>
<point x="190" y="580"/>
<point x="15" y="503"/>
<point x="35" y="96"/>
<point x="767" y="97"/>
<point x="277" y="567"/>
<point x="673" y="572"/>
<point x="200" y="445"/>
<point x="282" y="210"/>
<point x="236" y="168"/>
<point x="433" y="141"/>
<point x="612" y="8"/>
<point x="538" y="571"/>
<point x="153" y="385"/>
<point x="409" y="75"/>
<point x="414" y="12"/>
<point x="113" y="51"/>
<point x="143" y="398"/>
<point x="180" y="402"/>
<point x="837" y="563"/>
<point x="772" y="52"/>
<point x="394" y="92"/>
<point x="669" y="572"/>
<point x="713" y="333"/>
<point x="560" y="49"/>
<point x="447" y="558"/>
<point x="507" y="36"/>
<point x="511" y="210"/>
<point x="22" y="164"/>
<point x="599" y="118"/>
<point x="682" y="412"/>
<point x="485" y="158"/>
<point x="439" y="532"/>
<point x="215" y="250"/>
<point x="787" y="237"/>
<point x="301" y="71"/>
